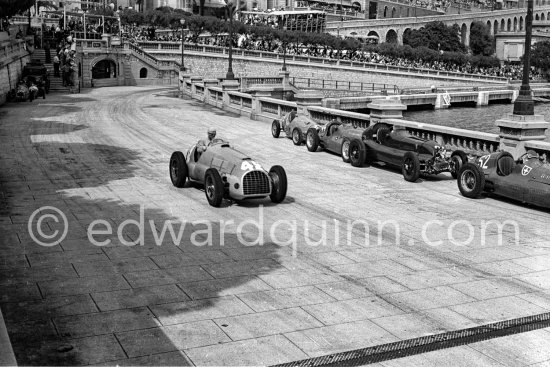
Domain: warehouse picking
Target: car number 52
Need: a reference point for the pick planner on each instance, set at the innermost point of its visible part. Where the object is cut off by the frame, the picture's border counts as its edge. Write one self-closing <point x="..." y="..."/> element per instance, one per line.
<point x="483" y="161"/>
<point x="250" y="166"/>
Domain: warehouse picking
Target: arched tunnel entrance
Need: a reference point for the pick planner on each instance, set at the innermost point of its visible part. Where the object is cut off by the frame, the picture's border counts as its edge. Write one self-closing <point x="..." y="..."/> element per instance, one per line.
<point x="104" y="69"/>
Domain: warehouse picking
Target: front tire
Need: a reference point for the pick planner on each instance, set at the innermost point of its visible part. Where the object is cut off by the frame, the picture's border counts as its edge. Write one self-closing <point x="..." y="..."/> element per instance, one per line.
<point x="312" y="140"/>
<point x="178" y="169"/>
<point x="471" y="180"/>
<point x="345" y="151"/>
<point x="275" y="129"/>
<point x="213" y="187"/>
<point x="279" y="180"/>
<point x="411" y="167"/>
<point x="458" y="158"/>
<point x="357" y="153"/>
<point x="297" y="137"/>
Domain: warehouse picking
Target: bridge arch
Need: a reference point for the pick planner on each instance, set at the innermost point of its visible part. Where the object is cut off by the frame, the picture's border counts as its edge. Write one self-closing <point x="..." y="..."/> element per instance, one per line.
<point x="537" y="16"/>
<point x="521" y="23"/>
<point x="375" y="34"/>
<point x="464" y="34"/>
<point x="391" y="36"/>
<point x="489" y="27"/>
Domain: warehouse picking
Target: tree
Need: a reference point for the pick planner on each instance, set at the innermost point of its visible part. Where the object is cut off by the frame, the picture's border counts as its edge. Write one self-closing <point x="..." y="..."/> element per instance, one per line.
<point x="540" y="56"/>
<point x="130" y="16"/>
<point x="481" y="42"/>
<point x="435" y="35"/>
<point x="9" y="8"/>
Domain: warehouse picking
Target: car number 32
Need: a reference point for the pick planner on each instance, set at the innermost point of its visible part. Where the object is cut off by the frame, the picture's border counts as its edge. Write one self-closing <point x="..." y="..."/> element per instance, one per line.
<point x="250" y="165"/>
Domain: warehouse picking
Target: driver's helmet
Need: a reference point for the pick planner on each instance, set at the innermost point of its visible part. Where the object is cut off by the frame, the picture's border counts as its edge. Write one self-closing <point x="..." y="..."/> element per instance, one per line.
<point x="531" y="154"/>
<point x="211" y="133"/>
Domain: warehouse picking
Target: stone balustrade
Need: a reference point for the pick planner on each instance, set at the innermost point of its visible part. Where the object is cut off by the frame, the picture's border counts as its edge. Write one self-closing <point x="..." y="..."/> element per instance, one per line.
<point x="474" y="143"/>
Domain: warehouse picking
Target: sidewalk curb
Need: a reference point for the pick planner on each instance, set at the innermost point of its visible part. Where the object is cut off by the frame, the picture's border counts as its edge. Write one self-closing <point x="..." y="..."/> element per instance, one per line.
<point x="7" y="357"/>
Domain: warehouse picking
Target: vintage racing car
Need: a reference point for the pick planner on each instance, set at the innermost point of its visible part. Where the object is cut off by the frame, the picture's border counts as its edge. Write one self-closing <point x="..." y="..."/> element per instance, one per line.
<point x="335" y="137"/>
<point x="294" y="126"/>
<point x="36" y="69"/>
<point x="395" y="146"/>
<point x="227" y="173"/>
<point x="526" y="180"/>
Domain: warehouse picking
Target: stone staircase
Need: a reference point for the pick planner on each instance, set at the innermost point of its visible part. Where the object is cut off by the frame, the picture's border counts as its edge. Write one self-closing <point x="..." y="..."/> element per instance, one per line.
<point x="56" y="83"/>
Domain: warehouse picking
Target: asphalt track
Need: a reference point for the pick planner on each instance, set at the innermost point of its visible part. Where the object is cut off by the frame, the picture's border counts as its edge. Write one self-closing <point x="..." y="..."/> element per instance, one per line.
<point x="425" y="268"/>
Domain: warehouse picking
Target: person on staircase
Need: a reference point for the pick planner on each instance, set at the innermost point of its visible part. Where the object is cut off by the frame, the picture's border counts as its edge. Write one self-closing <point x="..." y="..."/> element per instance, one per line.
<point x="56" y="63"/>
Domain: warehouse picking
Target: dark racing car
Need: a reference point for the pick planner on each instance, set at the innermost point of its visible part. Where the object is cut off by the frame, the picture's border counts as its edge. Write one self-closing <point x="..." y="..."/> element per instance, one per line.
<point x="227" y="173"/>
<point x="335" y="137"/>
<point x="293" y="125"/>
<point x="526" y="180"/>
<point x="396" y="147"/>
<point x="36" y="71"/>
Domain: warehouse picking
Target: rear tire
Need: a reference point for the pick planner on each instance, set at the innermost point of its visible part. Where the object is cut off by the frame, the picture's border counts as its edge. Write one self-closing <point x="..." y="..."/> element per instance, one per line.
<point x="345" y="151"/>
<point x="471" y="180"/>
<point x="297" y="136"/>
<point x="312" y="140"/>
<point x="411" y="167"/>
<point x="178" y="169"/>
<point x="357" y="153"/>
<point x="275" y="129"/>
<point x="213" y="187"/>
<point x="279" y="180"/>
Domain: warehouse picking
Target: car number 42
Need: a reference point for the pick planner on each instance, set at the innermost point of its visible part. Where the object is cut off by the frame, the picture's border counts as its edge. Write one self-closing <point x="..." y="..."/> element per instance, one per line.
<point x="250" y="166"/>
<point x="483" y="161"/>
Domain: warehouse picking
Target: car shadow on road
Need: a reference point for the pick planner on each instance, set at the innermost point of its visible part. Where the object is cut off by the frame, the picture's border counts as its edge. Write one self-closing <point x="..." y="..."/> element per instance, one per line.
<point x="80" y="303"/>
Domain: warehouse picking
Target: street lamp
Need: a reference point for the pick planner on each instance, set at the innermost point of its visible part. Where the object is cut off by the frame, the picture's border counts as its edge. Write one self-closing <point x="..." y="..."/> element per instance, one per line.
<point x="230" y="10"/>
<point x="182" y="22"/>
<point x="524" y="104"/>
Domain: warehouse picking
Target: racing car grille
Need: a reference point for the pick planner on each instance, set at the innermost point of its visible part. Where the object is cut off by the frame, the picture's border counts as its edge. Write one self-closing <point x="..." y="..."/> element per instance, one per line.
<point x="255" y="183"/>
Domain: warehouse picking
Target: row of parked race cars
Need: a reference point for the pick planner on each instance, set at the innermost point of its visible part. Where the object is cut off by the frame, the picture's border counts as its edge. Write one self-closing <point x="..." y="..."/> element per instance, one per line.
<point x="228" y="173"/>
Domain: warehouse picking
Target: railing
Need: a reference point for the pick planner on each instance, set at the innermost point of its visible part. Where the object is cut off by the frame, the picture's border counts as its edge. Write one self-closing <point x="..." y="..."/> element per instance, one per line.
<point x="11" y="48"/>
<point x="157" y="47"/>
<point x="247" y="82"/>
<point x="471" y="142"/>
<point x="168" y="65"/>
<point x="342" y="85"/>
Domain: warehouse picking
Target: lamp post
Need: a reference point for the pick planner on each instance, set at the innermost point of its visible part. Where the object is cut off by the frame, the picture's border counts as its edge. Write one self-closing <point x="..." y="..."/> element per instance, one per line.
<point x="524" y="104"/>
<point x="182" y="22"/>
<point x="230" y="10"/>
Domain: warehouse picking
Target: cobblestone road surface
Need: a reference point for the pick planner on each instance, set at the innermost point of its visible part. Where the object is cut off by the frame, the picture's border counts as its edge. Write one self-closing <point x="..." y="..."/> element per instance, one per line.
<point x="424" y="265"/>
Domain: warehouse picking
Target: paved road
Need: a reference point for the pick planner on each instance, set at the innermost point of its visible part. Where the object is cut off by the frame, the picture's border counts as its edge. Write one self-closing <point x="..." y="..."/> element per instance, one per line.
<point x="103" y="155"/>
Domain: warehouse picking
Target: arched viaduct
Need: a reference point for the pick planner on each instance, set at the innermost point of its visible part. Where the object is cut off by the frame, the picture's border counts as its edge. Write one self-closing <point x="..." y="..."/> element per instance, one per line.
<point x="392" y="30"/>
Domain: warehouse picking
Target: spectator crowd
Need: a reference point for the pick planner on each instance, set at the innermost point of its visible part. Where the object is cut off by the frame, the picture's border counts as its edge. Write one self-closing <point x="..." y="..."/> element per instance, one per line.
<point x="251" y="42"/>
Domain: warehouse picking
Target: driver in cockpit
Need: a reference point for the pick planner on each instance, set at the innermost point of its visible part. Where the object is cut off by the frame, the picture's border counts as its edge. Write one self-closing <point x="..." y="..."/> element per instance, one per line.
<point x="203" y="144"/>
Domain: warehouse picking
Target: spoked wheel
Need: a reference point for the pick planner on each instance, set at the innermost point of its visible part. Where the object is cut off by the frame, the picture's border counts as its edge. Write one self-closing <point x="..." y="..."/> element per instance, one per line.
<point x="345" y="151"/>
<point x="278" y="178"/>
<point x="213" y="187"/>
<point x="470" y="180"/>
<point x="297" y="136"/>
<point x="178" y="169"/>
<point x="411" y="167"/>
